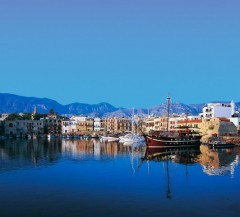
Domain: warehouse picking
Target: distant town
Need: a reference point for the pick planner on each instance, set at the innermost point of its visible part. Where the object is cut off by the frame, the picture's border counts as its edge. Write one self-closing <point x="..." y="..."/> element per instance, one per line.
<point x="219" y="119"/>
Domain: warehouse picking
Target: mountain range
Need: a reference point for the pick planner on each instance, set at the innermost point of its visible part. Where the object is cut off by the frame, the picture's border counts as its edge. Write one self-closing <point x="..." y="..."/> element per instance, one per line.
<point x="10" y="103"/>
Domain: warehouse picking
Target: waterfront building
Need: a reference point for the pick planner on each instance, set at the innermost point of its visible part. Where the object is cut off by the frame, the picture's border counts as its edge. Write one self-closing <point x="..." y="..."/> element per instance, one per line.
<point x="69" y="127"/>
<point x="162" y="123"/>
<point x="85" y="125"/>
<point x="97" y="124"/>
<point x="212" y="110"/>
<point x="116" y="125"/>
<point x="192" y="124"/>
<point x="235" y="119"/>
<point x="52" y="124"/>
<point x="184" y="116"/>
<point x="24" y="127"/>
<point x="149" y="124"/>
<point x="218" y="127"/>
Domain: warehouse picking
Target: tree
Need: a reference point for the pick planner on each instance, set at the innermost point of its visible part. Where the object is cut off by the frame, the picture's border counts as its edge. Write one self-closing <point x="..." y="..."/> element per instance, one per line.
<point x="52" y="112"/>
<point x="27" y="116"/>
<point x="38" y="116"/>
<point x="13" y="117"/>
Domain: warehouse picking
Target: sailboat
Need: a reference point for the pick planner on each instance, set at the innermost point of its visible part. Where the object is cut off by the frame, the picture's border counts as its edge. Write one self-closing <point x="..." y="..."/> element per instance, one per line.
<point x="131" y="138"/>
<point x="183" y="137"/>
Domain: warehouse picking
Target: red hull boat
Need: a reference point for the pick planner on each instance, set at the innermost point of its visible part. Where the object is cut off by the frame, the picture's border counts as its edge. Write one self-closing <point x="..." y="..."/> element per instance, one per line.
<point x="172" y="140"/>
<point x="183" y="137"/>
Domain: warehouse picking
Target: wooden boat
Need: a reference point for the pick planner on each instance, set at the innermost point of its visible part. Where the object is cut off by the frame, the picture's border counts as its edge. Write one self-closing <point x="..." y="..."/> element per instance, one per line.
<point x="173" y="139"/>
<point x="183" y="137"/>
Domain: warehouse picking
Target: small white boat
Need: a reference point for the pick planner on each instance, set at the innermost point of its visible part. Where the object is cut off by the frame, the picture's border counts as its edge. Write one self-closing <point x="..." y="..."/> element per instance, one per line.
<point x="109" y="138"/>
<point x="131" y="138"/>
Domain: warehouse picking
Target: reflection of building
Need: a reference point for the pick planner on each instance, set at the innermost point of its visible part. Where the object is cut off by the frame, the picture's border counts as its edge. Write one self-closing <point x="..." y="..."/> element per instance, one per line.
<point x="218" y="162"/>
<point x="18" y="154"/>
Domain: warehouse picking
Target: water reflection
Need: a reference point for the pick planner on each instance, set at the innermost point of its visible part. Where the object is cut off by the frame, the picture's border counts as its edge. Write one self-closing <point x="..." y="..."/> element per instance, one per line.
<point x="90" y="178"/>
<point x="218" y="161"/>
<point x="26" y="153"/>
<point x="166" y="156"/>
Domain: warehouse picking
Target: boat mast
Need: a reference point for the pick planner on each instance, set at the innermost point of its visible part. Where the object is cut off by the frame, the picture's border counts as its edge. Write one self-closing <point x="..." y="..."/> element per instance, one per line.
<point x="168" y="190"/>
<point x="168" y="111"/>
<point x="132" y="121"/>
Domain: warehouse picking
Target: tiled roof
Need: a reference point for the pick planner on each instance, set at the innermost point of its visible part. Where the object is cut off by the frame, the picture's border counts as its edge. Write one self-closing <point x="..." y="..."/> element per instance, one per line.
<point x="190" y="121"/>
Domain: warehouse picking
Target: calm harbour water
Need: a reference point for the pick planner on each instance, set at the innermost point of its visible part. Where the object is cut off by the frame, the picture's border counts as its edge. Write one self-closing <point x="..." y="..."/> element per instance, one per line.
<point x="90" y="178"/>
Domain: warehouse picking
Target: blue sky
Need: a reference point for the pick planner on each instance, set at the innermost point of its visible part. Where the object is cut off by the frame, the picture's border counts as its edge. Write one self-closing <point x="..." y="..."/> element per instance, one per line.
<point x="130" y="53"/>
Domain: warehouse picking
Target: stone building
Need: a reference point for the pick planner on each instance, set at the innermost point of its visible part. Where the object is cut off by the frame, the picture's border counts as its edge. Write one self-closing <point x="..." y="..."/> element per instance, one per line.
<point x="218" y="127"/>
<point x="52" y="124"/>
<point x="85" y="125"/>
<point x="24" y="127"/>
<point x="116" y="125"/>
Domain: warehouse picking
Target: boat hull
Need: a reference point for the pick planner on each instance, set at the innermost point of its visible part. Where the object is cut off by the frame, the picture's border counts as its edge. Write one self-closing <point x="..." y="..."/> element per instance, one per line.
<point x="216" y="146"/>
<point x="166" y="142"/>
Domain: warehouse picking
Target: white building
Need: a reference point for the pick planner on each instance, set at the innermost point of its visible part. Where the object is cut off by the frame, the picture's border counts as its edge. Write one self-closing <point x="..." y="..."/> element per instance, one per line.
<point x="69" y="127"/>
<point x="236" y="121"/>
<point x="184" y="116"/>
<point x="97" y="124"/>
<point x="212" y="110"/>
<point x="79" y="118"/>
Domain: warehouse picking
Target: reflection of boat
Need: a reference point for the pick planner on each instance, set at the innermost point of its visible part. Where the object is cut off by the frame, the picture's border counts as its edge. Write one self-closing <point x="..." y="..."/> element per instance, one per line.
<point x="183" y="137"/>
<point x="179" y="155"/>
